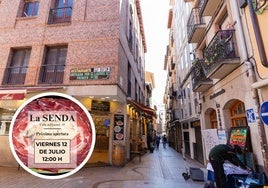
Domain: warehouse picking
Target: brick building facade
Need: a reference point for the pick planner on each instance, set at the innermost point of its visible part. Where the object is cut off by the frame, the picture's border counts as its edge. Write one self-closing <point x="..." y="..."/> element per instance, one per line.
<point x="92" y="50"/>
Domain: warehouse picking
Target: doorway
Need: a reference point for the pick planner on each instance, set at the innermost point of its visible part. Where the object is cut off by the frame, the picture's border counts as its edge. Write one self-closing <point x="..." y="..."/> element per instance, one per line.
<point x="101" y="150"/>
<point x="198" y="146"/>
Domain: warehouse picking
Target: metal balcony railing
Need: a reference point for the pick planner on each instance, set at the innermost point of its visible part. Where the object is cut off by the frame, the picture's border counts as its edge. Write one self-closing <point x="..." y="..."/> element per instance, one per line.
<point x="202" y="4"/>
<point x="222" y="46"/>
<point x="198" y="72"/>
<point x="14" y="75"/>
<point x="51" y="74"/>
<point x="60" y="15"/>
<point x="194" y="20"/>
<point x="208" y="7"/>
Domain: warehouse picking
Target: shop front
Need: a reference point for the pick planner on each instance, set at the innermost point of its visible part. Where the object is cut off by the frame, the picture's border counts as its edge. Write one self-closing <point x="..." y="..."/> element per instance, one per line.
<point x="10" y="100"/>
<point x="186" y="140"/>
<point x="142" y="129"/>
<point x="121" y="124"/>
<point x="107" y="107"/>
<point x="198" y="144"/>
<point x="232" y="121"/>
<point x="6" y="157"/>
<point x="103" y="109"/>
<point x="175" y="136"/>
<point x="189" y="139"/>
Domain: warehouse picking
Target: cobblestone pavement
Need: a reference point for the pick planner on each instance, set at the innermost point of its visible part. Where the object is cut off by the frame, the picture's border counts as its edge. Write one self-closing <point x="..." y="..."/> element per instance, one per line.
<point x="162" y="168"/>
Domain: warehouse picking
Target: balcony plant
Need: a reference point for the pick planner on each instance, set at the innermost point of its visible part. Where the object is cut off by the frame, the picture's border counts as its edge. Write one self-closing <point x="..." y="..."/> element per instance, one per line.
<point x="198" y="70"/>
<point x="219" y="47"/>
<point x="215" y="51"/>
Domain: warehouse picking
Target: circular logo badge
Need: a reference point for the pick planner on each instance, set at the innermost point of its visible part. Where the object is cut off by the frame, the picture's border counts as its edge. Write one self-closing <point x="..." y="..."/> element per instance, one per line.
<point x="52" y="135"/>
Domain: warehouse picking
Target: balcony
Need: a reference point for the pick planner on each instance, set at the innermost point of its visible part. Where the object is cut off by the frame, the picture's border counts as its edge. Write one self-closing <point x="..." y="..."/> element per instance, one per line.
<point x="195" y="26"/>
<point x="208" y="7"/>
<point x="221" y="55"/>
<point x="199" y="80"/>
<point x="14" y="75"/>
<point x="60" y="15"/>
<point x="175" y="114"/>
<point x="51" y="74"/>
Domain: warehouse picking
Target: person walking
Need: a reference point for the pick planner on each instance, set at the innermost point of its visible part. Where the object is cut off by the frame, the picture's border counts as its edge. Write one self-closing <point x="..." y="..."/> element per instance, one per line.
<point x="150" y="143"/>
<point x="164" y="140"/>
<point x="157" y="142"/>
<point x="218" y="154"/>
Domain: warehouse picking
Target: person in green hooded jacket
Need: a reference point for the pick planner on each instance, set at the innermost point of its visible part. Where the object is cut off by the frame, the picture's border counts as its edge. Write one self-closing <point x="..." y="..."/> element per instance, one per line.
<point x="220" y="153"/>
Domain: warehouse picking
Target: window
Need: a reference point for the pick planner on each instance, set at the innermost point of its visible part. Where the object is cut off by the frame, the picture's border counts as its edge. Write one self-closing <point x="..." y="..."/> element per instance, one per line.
<point x="130" y="36"/>
<point x="61" y="12"/>
<point x="238" y="115"/>
<point x="5" y="121"/>
<point x="213" y="119"/>
<point x="129" y="81"/>
<point x="137" y="98"/>
<point x="30" y="8"/>
<point x="16" y="71"/>
<point x="52" y="71"/>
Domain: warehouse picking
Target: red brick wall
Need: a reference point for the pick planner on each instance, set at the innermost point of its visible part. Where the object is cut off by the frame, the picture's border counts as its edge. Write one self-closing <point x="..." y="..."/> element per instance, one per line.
<point x="96" y="37"/>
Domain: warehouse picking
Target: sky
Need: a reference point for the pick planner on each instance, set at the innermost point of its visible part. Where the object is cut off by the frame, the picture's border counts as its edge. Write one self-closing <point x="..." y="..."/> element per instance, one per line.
<point x="155" y="19"/>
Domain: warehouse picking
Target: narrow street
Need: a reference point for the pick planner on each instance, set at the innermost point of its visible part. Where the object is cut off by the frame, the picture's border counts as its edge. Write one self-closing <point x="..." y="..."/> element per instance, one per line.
<point x="162" y="168"/>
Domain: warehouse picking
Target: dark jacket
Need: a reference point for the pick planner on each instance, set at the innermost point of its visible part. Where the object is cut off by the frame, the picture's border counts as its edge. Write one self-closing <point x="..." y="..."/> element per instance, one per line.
<point x="224" y="152"/>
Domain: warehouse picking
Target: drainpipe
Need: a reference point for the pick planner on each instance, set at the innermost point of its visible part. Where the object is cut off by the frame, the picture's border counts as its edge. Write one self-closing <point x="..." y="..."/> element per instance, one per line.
<point x="252" y="79"/>
<point x="240" y="34"/>
<point x="257" y="32"/>
<point x="252" y="76"/>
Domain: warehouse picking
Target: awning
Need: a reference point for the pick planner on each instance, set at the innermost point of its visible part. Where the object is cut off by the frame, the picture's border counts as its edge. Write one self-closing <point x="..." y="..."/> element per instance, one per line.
<point x="12" y="94"/>
<point x="19" y="93"/>
<point x="147" y="110"/>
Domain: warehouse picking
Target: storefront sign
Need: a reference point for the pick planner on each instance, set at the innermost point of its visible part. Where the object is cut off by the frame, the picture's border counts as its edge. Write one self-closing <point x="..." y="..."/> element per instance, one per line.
<point x="119" y="127"/>
<point x="251" y="117"/>
<point x="238" y="136"/>
<point x="12" y="96"/>
<point x="214" y="95"/>
<point x="195" y="124"/>
<point x="100" y="106"/>
<point x="99" y="73"/>
<point x="222" y="137"/>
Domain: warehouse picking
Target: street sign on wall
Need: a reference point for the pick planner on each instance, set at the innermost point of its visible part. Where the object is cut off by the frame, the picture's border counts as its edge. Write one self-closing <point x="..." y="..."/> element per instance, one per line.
<point x="250" y="114"/>
<point x="264" y="112"/>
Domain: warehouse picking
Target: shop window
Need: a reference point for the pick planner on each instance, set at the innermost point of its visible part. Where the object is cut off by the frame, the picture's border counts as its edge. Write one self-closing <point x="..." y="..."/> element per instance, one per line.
<point x="5" y="120"/>
<point x="16" y="71"/>
<point x="213" y="119"/>
<point x="238" y="115"/>
<point x="52" y="71"/>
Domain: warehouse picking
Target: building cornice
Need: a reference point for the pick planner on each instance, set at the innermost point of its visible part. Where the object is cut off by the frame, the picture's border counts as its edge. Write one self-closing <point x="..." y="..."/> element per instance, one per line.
<point x="141" y="24"/>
